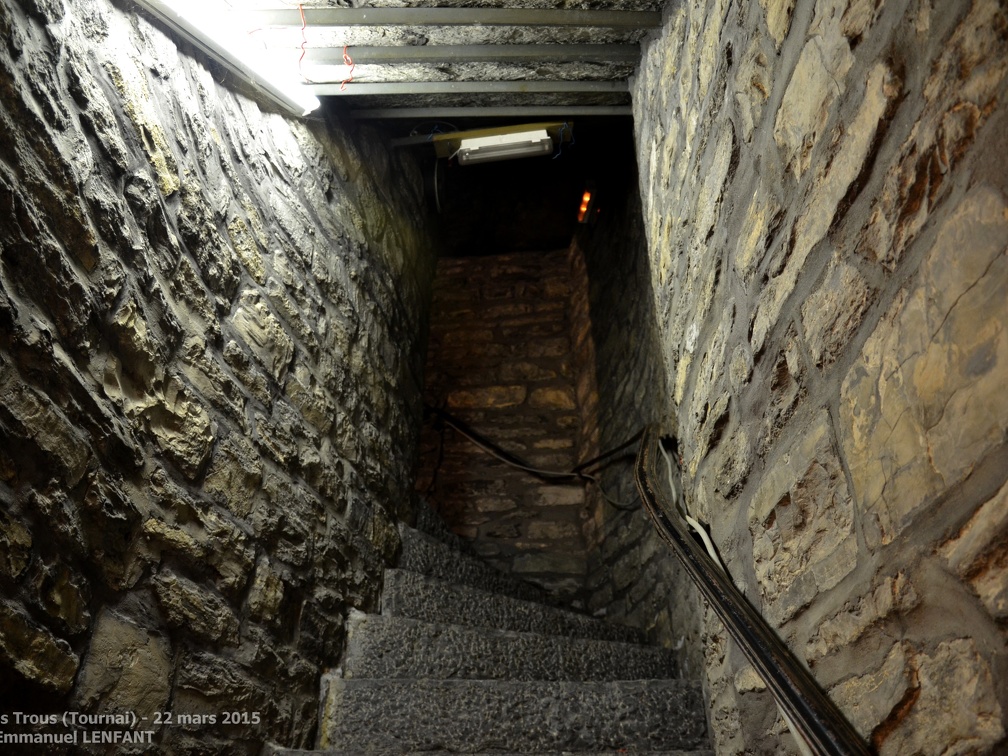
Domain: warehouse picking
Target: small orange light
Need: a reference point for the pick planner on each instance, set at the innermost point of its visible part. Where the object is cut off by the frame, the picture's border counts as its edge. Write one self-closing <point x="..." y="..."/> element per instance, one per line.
<point x="585" y="200"/>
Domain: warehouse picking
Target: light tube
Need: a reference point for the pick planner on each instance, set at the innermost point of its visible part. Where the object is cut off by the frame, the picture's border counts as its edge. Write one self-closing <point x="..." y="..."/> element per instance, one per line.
<point x="504" y="147"/>
<point x="209" y="30"/>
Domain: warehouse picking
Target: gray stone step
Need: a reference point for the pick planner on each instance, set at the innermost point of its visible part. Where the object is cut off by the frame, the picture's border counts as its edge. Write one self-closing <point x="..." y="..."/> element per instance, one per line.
<point x="426" y="555"/>
<point x="428" y="521"/>
<point x="407" y="594"/>
<point x="399" y="716"/>
<point x="389" y="647"/>
<point x="278" y="751"/>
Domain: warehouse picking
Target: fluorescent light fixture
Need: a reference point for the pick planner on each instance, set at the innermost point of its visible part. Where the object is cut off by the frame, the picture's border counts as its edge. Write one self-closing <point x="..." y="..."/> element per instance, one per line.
<point x="505" y="146"/>
<point x="204" y="24"/>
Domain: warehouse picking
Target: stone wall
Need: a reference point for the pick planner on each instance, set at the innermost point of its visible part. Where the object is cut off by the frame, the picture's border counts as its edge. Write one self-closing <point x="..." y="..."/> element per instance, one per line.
<point x="500" y="361"/>
<point x="632" y="576"/>
<point x="209" y="382"/>
<point x="825" y="194"/>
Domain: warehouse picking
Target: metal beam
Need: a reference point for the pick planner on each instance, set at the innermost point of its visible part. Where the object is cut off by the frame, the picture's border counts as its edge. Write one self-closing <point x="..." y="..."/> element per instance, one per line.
<point x="493" y="111"/>
<point x="450" y="17"/>
<point x="467" y="87"/>
<point x="369" y="54"/>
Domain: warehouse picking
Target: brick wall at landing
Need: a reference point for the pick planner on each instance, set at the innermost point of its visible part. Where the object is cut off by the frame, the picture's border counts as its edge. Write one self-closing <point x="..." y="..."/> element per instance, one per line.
<point x="500" y="359"/>
<point x="825" y="195"/>
<point x="210" y="361"/>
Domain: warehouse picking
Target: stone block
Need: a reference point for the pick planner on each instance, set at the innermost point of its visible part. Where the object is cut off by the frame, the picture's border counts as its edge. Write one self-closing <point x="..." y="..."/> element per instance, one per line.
<point x="129" y="80"/>
<point x="266" y="593"/>
<point x="62" y="593"/>
<point x="254" y="380"/>
<point x="182" y="427"/>
<point x="778" y="18"/>
<point x="955" y="709"/>
<point x="15" y="545"/>
<point x="234" y="475"/>
<point x="33" y="417"/>
<point x="893" y="595"/>
<point x="868" y="699"/>
<point x="924" y="401"/>
<point x="265" y="336"/>
<point x="831" y="183"/>
<point x="554" y="398"/>
<point x="246" y="247"/>
<point x="802" y="523"/>
<point x="833" y="312"/>
<point x="962" y="84"/>
<point x="38" y="655"/>
<point x="193" y="608"/>
<point x="127" y="668"/>
<point x="491" y="397"/>
<point x="979" y="554"/>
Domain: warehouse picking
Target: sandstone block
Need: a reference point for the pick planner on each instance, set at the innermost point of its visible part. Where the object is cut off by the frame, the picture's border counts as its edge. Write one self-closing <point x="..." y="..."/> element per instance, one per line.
<point x="892" y="595"/>
<point x="956" y="709"/>
<point x="128" y="77"/>
<point x="833" y="312"/>
<point x="495" y="397"/>
<point x="778" y="18"/>
<point x="234" y="475"/>
<point x="832" y="181"/>
<point x="802" y="523"/>
<point x="127" y="668"/>
<point x="194" y="608"/>
<point x="979" y="554"/>
<point x="27" y="414"/>
<point x="15" y="545"/>
<point x="182" y="427"/>
<point x="925" y="401"/>
<point x="559" y="398"/>
<point x="263" y="333"/>
<point x="35" y="652"/>
<point x="247" y="249"/>
<point x="266" y="593"/>
<point x="63" y="594"/>
<point x="868" y="699"/>
<point x="961" y="86"/>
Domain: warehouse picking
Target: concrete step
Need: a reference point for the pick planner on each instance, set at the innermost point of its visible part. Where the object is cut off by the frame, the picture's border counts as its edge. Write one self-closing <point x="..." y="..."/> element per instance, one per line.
<point x="278" y="751"/>
<point x="426" y="555"/>
<point x="399" y="716"/>
<point x="389" y="647"/>
<point x="407" y="594"/>
<point x="428" y="521"/>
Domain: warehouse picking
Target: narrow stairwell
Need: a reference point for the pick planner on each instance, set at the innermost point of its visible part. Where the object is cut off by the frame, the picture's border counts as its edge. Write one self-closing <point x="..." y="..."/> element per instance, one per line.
<point x="466" y="659"/>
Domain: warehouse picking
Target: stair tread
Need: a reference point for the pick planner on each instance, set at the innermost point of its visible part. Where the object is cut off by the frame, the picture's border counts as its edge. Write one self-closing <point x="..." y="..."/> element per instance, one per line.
<point x="427" y="555"/>
<point x="402" y="647"/>
<point x="292" y="752"/>
<point x="409" y="594"/>
<point x="386" y="716"/>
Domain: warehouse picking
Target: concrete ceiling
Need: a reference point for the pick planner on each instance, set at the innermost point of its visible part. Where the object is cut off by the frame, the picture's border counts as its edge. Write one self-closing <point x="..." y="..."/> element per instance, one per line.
<point x="415" y="68"/>
<point x="460" y="58"/>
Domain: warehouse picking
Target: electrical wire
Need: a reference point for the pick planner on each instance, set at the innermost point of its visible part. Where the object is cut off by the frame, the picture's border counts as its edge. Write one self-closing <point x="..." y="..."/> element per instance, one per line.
<point x="348" y="61"/>
<point x="560" y="140"/>
<point x="304" y="42"/>
<point x="680" y="504"/>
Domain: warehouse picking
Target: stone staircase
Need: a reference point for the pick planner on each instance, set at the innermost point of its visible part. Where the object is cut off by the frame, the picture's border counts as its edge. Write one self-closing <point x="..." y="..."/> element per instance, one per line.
<point x="466" y="659"/>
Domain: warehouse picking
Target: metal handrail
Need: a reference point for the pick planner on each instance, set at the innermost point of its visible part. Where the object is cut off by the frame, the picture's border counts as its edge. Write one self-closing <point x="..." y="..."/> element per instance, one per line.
<point x="817" y="719"/>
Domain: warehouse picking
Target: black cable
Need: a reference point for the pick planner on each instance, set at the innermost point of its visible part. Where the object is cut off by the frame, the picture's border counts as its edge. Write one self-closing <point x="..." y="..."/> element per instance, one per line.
<point x="576" y="474"/>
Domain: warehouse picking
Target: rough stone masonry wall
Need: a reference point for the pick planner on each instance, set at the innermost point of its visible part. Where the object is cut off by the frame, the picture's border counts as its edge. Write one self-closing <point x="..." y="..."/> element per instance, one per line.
<point x="500" y="361"/>
<point x="632" y="576"/>
<point x="209" y="382"/>
<point x="825" y="194"/>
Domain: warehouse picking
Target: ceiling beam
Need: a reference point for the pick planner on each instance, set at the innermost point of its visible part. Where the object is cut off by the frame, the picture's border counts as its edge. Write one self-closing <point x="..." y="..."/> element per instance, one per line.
<point x="370" y="54"/>
<point x="493" y="111"/>
<point x="450" y="17"/>
<point x="466" y="87"/>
